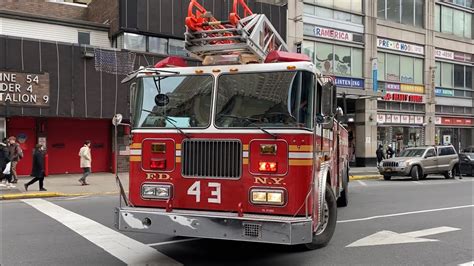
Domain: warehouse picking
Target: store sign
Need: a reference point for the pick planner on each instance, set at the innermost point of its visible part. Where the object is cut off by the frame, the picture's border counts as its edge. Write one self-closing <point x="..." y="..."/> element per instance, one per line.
<point x="444" y="92"/>
<point x="24" y="89"/>
<point x="400" y="97"/>
<point x="400" y="46"/>
<point x="388" y="118"/>
<point x="444" y="54"/>
<point x="392" y="87"/>
<point x="332" y="34"/>
<point x="380" y="118"/>
<point x="456" y="121"/>
<point x="438" y="120"/>
<point x="350" y="82"/>
<point x="405" y="119"/>
<point x="412" y="88"/>
<point x="462" y="57"/>
<point x="396" y="119"/>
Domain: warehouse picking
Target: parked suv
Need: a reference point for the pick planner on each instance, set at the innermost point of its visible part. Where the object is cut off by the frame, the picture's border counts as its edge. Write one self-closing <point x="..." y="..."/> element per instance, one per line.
<point x="421" y="161"/>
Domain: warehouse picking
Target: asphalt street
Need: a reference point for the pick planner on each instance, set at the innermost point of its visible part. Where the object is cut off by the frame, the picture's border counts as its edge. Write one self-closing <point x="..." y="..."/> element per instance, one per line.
<point x="427" y="222"/>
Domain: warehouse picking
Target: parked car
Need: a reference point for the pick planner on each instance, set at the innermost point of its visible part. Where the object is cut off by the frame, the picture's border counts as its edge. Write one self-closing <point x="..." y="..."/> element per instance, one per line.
<point x="421" y="161"/>
<point x="466" y="161"/>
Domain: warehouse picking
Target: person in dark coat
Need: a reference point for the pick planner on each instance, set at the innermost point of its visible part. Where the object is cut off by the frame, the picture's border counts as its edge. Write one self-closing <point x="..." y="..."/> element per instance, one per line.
<point x="390" y="151"/>
<point x="4" y="159"/>
<point x="37" y="171"/>
<point x="380" y="155"/>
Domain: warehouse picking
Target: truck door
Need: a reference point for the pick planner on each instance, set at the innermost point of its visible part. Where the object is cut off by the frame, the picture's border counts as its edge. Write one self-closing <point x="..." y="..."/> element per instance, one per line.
<point x="430" y="163"/>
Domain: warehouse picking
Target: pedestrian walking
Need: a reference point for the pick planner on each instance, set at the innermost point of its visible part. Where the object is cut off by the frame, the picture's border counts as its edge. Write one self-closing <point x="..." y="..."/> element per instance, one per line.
<point x="86" y="160"/>
<point x="5" y="165"/>
<point x="37" y="171"/>
<point x="380" y="155"/>
<point x="16" y="154"/>
<point x="390" y="151"/>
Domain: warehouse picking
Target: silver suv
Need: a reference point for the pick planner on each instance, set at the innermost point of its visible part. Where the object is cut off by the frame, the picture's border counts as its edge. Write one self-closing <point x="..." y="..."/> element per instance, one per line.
<point x="421" y="161"/>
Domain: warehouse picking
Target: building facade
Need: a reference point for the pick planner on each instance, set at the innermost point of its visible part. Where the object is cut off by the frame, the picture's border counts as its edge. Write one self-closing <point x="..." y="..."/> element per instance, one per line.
<point x="404" y="67"/>
<point x="61" y="63"/>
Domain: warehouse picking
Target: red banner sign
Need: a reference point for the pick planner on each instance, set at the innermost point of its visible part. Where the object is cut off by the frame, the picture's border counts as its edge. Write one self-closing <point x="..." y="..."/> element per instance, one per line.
<point x="400" y="97"/>
<point x="456" y="121"/>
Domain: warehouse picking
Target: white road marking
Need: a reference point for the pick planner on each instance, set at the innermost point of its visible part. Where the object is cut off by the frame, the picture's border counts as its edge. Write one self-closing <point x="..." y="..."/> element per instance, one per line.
<point x="470" y="263"/>
<point x="120" y="246"/>
<point x="404" y="213"/>
<point x="390" y="238"/>
<point x="362" y="183"/>
<point x="172" y="242"/>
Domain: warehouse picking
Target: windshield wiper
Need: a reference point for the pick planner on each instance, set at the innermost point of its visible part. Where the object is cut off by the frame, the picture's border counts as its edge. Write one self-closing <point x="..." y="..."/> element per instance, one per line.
<point x="171" y="121"/>
<point x="251" y="121"/>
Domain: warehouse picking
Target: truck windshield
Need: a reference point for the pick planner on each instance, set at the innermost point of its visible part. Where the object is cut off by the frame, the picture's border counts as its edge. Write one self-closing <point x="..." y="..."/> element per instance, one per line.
<point x="265" y="99"/>
<point x="185" y="101"/>
<point x="412" y="153"/>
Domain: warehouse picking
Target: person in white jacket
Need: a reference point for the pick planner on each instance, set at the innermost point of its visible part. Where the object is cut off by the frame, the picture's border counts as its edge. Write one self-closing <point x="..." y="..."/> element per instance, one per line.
<point x="86" y="160"/>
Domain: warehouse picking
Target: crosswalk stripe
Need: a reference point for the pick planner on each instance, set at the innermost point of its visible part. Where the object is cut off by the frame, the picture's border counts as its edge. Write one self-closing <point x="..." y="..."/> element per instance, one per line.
<point x="120" y="246"/>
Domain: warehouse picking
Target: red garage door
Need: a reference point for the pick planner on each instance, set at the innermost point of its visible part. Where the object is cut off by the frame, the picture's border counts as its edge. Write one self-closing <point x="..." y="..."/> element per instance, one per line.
<point x="23" y="128"/>
<point x="67" y="136"/>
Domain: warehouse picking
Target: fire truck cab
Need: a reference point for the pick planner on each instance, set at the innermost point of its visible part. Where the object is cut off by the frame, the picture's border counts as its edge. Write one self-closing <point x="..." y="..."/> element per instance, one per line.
<point x="250" y="152"/>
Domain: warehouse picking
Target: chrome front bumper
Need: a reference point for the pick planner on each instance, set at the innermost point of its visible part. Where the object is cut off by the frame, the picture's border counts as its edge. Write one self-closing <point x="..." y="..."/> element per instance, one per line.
<point x="394" y="170"/>
<point x="216" y="225"/>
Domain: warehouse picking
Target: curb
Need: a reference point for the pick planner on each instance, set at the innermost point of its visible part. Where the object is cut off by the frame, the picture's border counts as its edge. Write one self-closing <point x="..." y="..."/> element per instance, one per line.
<point x="364" y="177"/>
<point x="50" y="195"/>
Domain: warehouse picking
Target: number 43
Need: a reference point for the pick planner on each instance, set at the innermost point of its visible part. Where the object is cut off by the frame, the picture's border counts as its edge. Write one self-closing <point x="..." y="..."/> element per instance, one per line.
<point x="195" y="190"/>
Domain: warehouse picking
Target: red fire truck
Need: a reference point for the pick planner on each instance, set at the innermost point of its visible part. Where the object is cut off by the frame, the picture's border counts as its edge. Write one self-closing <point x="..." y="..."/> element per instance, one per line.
<point x="246" y="147"/>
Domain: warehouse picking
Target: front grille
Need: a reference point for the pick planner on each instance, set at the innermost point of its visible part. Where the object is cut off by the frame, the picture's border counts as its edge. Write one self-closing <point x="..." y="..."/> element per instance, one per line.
<point x="211" y="158"/>
<point x="390" y="164"/>
<point x="252" y="230"/>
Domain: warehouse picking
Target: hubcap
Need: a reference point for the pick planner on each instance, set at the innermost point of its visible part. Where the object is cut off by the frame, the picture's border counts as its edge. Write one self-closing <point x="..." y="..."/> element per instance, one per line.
<point x="325" y="220"/>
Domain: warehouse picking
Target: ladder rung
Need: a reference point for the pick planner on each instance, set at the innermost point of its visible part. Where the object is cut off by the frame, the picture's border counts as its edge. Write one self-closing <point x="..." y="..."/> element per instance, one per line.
<point x="211" y="39"/>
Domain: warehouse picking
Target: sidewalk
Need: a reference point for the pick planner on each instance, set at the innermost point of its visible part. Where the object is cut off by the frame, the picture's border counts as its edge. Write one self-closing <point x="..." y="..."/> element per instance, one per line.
<point x="358" y="173"/>
<point x="66" y="185"/>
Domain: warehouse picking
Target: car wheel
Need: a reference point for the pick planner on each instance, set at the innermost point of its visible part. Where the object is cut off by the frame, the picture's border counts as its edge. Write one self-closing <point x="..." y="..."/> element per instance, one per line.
<point x="449" y="174"/>
<point x="424" y="176"/>
<point x="415" y="173"/>
<point x="343" y="200"/>
<point x="386" y="177"/>
<point x="325" y="231"/>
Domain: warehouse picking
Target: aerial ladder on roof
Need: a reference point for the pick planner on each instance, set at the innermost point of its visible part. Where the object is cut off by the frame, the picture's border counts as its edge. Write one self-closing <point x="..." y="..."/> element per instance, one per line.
<point x="246" y="35"/>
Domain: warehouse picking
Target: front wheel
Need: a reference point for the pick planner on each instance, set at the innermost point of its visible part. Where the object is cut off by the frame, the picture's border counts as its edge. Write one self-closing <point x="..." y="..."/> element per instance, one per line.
<point x="326" y="229"/>
<point x="415" y="173"/>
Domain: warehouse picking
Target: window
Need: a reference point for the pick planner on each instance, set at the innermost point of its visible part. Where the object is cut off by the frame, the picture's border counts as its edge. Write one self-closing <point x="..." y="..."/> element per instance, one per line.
<point x="176" y="47"/>
<point x="430" y="153"/>
<point x="469" y="78"/>
<point x="331" y="14"/>
<point x="406" y="69"/>
<point x="418" y="71"/>
<point x="419" y="107"/>
<point x="381" y="66"/>
<point x="157" y="45"/>
<point x="438" y="74"/>
<point x="84" y="38"/>
<point x="335" y="59"/>
<point x="134" y="42"/>
<point x="393" y="69"/>
<point x="308" y="49"/>
<point x="349" y="5"/>
<point x="453" y="21"/>
<point x="458" y="76"/>
<point x="447" y="75"/>
<point x="408" y="12"/>
<point x="446" y="151"/>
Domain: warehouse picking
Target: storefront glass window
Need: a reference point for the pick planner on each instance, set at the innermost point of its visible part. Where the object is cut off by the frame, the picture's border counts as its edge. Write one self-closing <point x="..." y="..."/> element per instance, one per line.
<point x="308" y="49"/>
<point x="342" y="60"/>
<point x="356" y="62"/>
<point x="458" y="76"/>
<point x="447" y="75"/>
<point x="393" y="69"/>
<point x="406" y="69"/>
<point x="2" y="128"/>
<point x="381" y="66"/>
<point x="418" y="71"/>
<point x="400" y="137"/>
<point x="446" y="19"/>
<point x="324" y="57"/>
<point x="134" y="42"/>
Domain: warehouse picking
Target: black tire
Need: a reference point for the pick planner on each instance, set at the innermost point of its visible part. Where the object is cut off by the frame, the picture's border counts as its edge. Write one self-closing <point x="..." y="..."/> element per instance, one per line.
<point x="424" y="176"/>
<point x="386" y="177"/>
<point x="449" y="174"/>
<point x="322" y="237"/>
<point x="343" y="200"/>
<point x="415" y="173"/>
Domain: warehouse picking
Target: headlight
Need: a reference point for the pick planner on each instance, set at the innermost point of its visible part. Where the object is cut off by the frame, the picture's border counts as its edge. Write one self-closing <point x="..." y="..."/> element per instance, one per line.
<point x="267" y="196"/>
<point x="402" y="164"/>
<point x="156" y="191"/>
